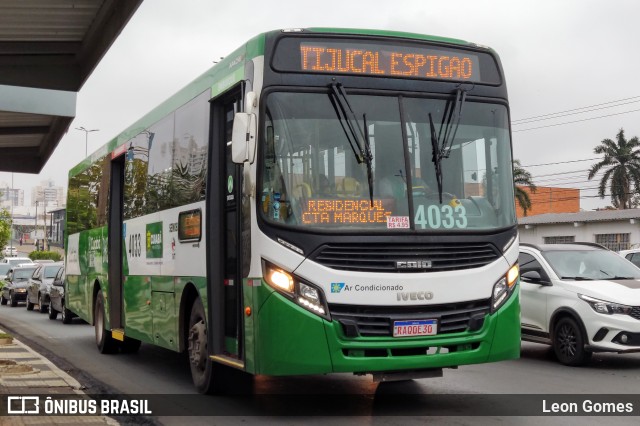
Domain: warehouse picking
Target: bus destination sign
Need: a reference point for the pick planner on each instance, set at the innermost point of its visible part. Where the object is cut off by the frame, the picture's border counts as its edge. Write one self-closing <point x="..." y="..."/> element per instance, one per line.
<point x="385" y="59"/>
<point x="394" y="61"/>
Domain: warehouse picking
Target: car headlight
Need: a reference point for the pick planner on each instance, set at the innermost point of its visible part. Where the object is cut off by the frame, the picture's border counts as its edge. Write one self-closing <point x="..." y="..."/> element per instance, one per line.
<point x="607" y="308"/>
<point x="504" y="287"/>
<point x="302" y="293"/>
<point x="21" y="290"/>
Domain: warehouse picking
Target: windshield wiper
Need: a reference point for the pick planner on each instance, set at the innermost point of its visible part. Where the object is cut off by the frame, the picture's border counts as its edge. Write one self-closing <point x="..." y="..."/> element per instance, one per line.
<point x="577" y="278"/>
<point x="442" y="143"/>
<point x="354" y="134"/>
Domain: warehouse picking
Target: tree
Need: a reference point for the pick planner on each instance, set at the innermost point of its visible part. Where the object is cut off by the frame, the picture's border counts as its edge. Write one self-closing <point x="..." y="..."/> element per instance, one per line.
<point x="5" y="227"/>
<point x="521" y="178"/>
<point x="621" y="165"/>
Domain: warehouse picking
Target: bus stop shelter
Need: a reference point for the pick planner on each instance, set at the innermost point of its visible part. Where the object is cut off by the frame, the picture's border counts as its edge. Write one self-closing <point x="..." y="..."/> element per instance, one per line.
<point x="48" y="49"/>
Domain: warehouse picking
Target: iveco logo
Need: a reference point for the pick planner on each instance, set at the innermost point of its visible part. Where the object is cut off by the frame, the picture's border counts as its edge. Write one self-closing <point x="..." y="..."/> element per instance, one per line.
<point x="413" y="264"/>
<point x="414" y="295"/>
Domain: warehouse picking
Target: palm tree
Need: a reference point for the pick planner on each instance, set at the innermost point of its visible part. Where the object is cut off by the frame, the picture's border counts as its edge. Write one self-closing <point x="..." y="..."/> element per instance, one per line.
<point x="621" y="165"/>
<point x="521" y="178"/>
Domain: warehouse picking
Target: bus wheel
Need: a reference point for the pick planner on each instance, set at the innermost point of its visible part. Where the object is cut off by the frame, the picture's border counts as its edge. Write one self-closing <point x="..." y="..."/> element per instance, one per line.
<point x="67" y="316"/>
<point x="130" y="346"/>
<point x="106" y="343"/>
<point x="199" y="361"/>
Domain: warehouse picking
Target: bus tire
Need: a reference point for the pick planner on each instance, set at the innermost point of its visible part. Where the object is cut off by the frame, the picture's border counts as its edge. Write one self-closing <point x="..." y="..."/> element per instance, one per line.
<point x="199" y="362"/>
<point x="106" y="344"/>
<point x="67" y="316"/>
<point x="130" y="346"/>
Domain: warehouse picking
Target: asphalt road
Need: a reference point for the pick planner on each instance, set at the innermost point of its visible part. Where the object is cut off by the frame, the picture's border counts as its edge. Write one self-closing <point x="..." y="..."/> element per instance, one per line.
<point x="157" y="371"/>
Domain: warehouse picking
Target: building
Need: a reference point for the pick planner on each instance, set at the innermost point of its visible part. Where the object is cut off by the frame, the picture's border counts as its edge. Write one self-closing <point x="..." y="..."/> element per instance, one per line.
<point x="551" y="200"/>
<point x="10" y="197"/>
<point x="56" y="227"/>
<point x="614" y="229"/>
<point x="48" y="195"/>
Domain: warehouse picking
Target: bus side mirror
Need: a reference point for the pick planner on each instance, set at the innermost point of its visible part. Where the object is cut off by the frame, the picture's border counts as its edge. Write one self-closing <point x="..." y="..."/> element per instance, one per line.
<point x="243" y="138"/>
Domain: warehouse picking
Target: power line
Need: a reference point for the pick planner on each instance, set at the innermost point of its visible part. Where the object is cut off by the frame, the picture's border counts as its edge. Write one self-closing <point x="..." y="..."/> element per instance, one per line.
<point x="577" y="161"/>
<point x="562" y="162"/>
<point x="575" y="121"/>
<point x="534" y="118"/>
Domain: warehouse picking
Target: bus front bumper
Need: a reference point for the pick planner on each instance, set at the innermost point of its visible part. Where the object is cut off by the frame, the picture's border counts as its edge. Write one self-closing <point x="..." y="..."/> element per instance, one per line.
<point x="289" y="340"/>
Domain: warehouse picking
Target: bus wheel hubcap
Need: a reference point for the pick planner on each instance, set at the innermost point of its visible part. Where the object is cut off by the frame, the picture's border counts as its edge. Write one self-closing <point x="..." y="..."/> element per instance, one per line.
<point x="197" y="344"/>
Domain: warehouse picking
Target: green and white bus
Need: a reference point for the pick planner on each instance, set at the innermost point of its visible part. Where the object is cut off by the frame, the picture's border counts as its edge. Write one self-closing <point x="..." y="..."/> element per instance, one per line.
<point x="321" y="200"/>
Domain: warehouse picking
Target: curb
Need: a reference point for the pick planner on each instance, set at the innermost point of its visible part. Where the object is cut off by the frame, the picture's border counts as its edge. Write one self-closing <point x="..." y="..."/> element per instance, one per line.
<point x="46" y="378"/>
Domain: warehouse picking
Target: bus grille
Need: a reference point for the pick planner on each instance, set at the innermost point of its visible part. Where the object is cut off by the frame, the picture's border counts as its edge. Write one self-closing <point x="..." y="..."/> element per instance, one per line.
<point x="377" y="321"/>
<point x="383" y="257"/>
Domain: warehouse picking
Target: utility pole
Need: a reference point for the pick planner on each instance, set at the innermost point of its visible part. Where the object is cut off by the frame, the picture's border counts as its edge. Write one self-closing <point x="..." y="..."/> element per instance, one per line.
<point x="12" y="202"/>
<point x="35" y="228"/>
<point x="44" y="222"/>
<point x="86" y="137"/>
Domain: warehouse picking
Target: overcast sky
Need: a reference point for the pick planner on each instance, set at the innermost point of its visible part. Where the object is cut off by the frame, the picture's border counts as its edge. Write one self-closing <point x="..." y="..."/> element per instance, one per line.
<point x="557" y="56"/>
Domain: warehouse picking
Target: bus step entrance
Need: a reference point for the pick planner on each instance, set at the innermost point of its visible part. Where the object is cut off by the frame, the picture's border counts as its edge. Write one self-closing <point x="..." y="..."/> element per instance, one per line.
<point x="226" y="360"/>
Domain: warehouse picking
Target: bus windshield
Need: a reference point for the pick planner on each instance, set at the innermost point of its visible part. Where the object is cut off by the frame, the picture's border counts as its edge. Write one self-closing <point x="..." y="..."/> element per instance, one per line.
<point x="376" y="168"/>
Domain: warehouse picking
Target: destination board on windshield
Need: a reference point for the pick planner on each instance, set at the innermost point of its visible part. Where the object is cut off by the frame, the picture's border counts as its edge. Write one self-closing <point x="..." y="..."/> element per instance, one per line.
<point x="385" y="59"/>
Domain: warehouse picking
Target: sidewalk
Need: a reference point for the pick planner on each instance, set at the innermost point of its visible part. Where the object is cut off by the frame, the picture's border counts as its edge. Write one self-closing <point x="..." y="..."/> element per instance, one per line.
<point x="25" y="249"/>
<point x="24" y="372"/>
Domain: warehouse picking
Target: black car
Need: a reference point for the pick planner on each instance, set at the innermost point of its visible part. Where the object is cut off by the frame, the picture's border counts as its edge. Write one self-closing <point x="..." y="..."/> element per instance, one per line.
<point x="40" y="284"/>
<point x="56" y="299"/>
<point x="15" y="285"/>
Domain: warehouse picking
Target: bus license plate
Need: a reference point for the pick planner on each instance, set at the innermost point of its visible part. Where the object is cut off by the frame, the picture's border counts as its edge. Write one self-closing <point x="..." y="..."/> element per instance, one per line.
<point x="415" y="328"/>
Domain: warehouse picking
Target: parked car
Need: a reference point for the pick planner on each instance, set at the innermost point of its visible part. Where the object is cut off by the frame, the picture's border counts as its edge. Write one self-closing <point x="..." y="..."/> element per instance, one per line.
<point x="40" y="285"/>
<point x="580" y="298"/>
<point x="4" y="269"/>
<point x="632" y="255"/>
<point x="10" y="251"/>
<point x="56" y="299"/>
<point x="15" y="285"/>
<point x="16" y="260"/>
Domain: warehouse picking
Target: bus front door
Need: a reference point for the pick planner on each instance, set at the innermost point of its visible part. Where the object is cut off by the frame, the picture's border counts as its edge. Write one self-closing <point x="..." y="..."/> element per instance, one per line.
<point x="228" y="230"/>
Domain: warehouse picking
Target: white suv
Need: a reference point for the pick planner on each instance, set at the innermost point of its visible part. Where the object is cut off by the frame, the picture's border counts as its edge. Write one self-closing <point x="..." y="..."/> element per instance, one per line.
<point x="10" y="251"/>
<point x="580" y="298"/>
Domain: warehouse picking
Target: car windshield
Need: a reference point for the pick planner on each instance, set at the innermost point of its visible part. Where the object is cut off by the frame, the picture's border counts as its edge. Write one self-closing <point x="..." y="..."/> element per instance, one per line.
<point x="19" y="260"/>
<point x="316" y="172"/>
<point x="21" y="274"/>
<point x="51" y="271"/>
<point x="590" y="265"/>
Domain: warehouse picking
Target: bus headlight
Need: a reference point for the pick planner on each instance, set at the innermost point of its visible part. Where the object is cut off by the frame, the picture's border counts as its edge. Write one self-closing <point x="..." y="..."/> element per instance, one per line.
<point x="278" y="279"/>
<point x="306" y="295"/>
<point x="504" y="287"/>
